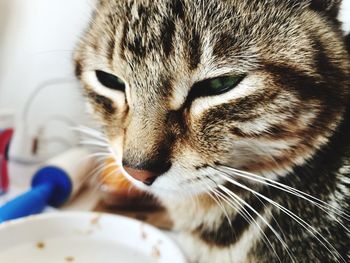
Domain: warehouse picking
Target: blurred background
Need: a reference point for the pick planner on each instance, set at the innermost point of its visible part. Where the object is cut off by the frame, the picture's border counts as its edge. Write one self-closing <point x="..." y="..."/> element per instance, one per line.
<point x="38" y="92"/>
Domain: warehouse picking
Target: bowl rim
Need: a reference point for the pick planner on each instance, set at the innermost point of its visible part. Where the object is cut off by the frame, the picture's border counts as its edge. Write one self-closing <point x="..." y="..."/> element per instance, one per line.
<point x="61" y="215"/>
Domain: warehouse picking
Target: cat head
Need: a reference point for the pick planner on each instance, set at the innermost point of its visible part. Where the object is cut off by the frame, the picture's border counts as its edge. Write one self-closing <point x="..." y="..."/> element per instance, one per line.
<point x="186" y="88"/>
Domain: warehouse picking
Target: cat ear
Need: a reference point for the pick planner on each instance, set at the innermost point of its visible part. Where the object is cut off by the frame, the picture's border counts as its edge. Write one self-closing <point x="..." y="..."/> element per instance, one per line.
<point x="328" y="7"/>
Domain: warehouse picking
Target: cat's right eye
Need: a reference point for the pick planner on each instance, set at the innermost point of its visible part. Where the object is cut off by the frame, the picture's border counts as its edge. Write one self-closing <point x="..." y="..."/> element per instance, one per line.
<point x="110" y="81"/>
<point x="215" y="86"/>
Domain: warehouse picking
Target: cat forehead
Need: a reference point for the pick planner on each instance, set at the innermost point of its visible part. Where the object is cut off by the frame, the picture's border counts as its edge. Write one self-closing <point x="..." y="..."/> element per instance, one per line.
<point x="164" y="44"/>
<point x="167" y="30"/>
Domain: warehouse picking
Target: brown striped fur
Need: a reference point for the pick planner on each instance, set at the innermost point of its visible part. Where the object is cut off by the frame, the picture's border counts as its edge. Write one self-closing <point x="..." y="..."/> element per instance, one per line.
<point x="287" y="120"/>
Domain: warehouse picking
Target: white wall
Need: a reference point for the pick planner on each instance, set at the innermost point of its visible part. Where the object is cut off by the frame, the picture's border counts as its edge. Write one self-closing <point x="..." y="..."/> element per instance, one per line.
<point x="39" y="44"/>
<point x="36" y="46"/>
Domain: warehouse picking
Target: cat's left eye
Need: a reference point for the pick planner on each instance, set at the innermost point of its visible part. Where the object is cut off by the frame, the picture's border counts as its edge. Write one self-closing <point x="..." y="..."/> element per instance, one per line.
<point x="110" y="81"/>
<point x="215" y="86"/>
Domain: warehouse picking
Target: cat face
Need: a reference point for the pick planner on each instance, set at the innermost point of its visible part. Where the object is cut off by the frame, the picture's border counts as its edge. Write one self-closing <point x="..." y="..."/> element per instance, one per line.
<point x="184" y="88"/>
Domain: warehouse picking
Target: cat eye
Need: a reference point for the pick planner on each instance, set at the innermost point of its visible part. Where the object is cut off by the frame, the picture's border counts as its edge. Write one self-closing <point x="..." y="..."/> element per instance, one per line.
<point x="110" y="81"/>
<point x="215" y="86"/>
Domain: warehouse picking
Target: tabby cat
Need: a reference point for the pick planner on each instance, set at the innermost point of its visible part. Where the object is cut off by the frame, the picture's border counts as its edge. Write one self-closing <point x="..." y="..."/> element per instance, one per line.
<point x="235" y="114"/>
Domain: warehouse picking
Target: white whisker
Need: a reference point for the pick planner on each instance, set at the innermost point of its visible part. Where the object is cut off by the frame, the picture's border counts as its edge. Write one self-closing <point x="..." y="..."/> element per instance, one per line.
<point x="95" y="143"/>
<point x="300" y="221"/>
<point x="322" y="207"/>
<point x="288" y="189"/>
<point x="94" y="175"/>
<point x="216" y="198"/>
<point x="248" y="217"/>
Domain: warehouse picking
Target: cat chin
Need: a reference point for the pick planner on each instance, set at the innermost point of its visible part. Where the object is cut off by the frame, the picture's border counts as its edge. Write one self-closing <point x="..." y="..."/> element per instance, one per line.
<point x="172" y="195"/>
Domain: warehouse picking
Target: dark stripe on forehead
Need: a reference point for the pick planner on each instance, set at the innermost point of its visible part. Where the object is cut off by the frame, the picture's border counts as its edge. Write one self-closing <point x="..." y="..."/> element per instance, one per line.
<point x="144" y="14"/>
<point x="136" y="47"/>
<point x="133" y="45"/>
<point x="131" y="40"/>
<point x="223" y="45"/>
<point x="178" y="9"/>
<point x="194" y="48"/>
<point x="111" y="48"/>
<point x="136" y="37"/>
<point x="151" y="31"/>
<point x="167" y="33"/>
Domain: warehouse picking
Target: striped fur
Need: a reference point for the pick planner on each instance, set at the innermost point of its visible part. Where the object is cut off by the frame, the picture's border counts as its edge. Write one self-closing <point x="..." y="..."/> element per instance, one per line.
<point x="287" y="121"/>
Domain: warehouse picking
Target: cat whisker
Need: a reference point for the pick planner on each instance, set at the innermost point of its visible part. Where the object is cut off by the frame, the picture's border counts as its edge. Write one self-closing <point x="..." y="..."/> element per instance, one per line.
<point x="94" y="175"/>
<point x="115" y="171"/>
<point x="321" y="207"/>
<point x="307" y="197"/>
<point x="296" y="218"/>
<point x="94" y="143"/>
<point x="100" y="154"/>
<point x="249" y="218"/>
<point x="244" y="214"/>
<point x="217" y="200"/>
<point x="88" y="179"/>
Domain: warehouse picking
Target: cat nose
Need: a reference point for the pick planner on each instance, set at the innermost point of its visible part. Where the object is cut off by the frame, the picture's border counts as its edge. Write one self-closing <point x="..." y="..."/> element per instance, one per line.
<point x="144" y="176"/>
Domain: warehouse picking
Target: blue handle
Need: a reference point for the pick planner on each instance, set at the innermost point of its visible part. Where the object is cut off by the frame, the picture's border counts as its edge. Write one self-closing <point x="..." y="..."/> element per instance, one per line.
<point x="50" y="186"/>
<point x="29" y="203"/>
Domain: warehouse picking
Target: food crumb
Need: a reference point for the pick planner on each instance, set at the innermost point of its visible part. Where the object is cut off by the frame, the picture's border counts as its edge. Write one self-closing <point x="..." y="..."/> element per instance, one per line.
<point x="143" y="233"/>
<point x="40" y="245"/>
<point x="96" y="221"/>
<point x="155" y="252"/>
<point x="69" y="259"/>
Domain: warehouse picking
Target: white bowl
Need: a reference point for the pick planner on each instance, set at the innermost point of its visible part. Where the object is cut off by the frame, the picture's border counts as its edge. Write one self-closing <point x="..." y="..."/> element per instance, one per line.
<point x="85" y="238"/>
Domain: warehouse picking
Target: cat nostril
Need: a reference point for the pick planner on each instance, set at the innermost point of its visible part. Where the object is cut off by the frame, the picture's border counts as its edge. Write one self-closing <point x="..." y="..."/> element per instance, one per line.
<point x="143" y="176"/>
